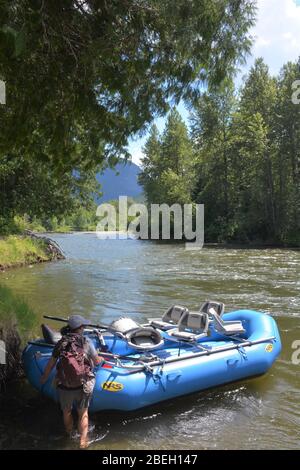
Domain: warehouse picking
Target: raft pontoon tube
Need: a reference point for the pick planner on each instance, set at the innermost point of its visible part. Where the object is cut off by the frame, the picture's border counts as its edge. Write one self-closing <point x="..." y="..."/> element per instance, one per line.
<point x="146" y="365"/>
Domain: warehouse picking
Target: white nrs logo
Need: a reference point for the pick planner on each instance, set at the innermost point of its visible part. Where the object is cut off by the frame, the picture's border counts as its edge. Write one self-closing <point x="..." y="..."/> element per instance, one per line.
<point x="2" y="92"/>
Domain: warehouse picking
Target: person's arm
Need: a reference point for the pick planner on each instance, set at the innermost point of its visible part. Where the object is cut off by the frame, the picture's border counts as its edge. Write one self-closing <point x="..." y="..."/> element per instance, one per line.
<point x="48" y="369"/>
<point x="51" y="363"/>
<point x="94" y="355"/>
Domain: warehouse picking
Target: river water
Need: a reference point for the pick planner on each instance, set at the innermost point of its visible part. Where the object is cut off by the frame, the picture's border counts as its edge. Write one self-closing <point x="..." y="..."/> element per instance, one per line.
<point x="104" y="279"/>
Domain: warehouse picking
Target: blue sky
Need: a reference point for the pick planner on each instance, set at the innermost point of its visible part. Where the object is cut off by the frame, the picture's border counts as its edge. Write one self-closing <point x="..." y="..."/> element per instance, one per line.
<point x="276" y="38"/>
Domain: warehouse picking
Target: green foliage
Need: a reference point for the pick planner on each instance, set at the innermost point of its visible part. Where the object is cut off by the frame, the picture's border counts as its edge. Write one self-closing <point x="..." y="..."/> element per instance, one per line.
<point x="18" y="224"/>
<point x="210" y="128"/>
<point x="16" y="250"/>
<point x="261" y="140"/>
<point x="287" y="157"/>
<point x="13" y="310"/>
<point x="151" y="165"/>
<point x="84" y="76"/>
<point x="167" y="167"/>
<point x="243" y="164"/>
<point x="17" y="323"/>
<point x="82" y="219"/>
<point x="8" y="225"/>
<point x="35" y="188"/>
<point x="81" y="77"/>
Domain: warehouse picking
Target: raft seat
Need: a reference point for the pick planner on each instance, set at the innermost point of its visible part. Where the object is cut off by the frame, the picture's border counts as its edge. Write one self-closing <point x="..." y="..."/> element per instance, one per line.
<point x="170" y="318"/>
<point x="215" y="311"/>
<point x="191" y="327"/>
<point x="219" y="307"/>
<point x="50" y="336"/>
<point x="228" y="328"/>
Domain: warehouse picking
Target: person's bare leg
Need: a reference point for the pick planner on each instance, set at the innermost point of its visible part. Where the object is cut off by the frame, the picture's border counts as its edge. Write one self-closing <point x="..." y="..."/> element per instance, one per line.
<point x="83" y="426"/>
<point x="68" y="420"/>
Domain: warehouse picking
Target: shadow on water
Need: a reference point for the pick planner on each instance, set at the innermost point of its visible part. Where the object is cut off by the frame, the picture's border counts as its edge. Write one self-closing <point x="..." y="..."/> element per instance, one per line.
<point x="167" y="425"/>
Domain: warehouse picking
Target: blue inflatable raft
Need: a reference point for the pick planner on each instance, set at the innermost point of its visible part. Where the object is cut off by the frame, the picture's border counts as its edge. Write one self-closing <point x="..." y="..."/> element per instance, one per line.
<point x="182" y="353"/>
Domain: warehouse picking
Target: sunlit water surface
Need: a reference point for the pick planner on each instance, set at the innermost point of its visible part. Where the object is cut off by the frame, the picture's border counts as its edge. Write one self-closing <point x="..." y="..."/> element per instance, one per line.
<point x="104" y="279"/>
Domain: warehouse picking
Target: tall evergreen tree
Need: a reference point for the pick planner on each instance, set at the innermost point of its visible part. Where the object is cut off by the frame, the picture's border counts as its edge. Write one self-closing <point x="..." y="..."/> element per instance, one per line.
<point x="259" y="98"/>
<point x="167" y="171"/>
<point x="210" y="131"/>
<point x="248" y="145"/>
<point x="149" y="178"/>
<point x="249" y="150"/>
<point x="287" y="128"/>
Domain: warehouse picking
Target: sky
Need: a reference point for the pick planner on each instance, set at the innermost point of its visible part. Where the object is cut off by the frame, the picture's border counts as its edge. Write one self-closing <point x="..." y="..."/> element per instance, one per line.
<point x="276" y="38"/>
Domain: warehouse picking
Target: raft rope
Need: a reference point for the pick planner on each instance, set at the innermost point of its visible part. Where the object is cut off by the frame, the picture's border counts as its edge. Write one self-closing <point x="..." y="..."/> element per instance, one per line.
<point x="156" y="376"/>
<point x="100" y="338"/>
<point x="146" y="367"/>
<point x="242" y="352"/>
<point x="162" y="367"/>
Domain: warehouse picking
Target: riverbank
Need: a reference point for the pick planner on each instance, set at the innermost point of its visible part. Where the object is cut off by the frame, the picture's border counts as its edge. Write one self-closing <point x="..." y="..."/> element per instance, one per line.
<point x="21" y="250"/>
<point x="17" y="321"/>
<point x="225" y="245"/>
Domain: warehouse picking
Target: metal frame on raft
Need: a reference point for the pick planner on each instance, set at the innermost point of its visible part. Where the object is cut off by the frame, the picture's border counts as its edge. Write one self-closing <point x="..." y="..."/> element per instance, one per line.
<point x="162" y="362"/>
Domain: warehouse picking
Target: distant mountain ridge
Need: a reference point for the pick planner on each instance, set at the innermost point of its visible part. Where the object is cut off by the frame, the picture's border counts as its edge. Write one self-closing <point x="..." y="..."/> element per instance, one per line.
<point x="120" y="181"/>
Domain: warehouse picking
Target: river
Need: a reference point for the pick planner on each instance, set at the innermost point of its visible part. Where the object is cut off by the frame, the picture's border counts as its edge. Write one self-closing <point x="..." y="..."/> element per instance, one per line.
<point x="104" y="279"/>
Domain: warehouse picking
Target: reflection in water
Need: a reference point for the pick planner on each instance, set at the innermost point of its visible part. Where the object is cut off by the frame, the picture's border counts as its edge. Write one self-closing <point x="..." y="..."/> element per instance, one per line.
<point x="103" y="279"/>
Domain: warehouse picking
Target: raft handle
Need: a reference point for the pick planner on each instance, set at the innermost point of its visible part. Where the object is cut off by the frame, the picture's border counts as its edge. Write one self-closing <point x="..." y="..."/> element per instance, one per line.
<point x="232" y="362"/>
<point x="174" y="375"/>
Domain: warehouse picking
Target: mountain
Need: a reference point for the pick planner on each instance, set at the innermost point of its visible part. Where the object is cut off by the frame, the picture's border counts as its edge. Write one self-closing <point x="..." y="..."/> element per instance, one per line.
<point x="120" y="181"/>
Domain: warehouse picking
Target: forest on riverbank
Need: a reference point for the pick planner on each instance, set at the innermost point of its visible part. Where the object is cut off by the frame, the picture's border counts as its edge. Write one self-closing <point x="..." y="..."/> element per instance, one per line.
<point x="77" y="89"/>
<point x="240" y="158"/>
<point x="238" y="155"/>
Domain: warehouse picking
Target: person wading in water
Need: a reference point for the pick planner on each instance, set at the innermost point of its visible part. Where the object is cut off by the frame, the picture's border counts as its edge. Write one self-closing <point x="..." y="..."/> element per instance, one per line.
<point x="76" y="357"/>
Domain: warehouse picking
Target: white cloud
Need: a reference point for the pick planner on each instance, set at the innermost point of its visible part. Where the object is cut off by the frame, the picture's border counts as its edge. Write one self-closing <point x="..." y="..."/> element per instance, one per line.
<point x="262" y="42"/>
<point x="137" y="156"/>
<point x="135" y="149"/>
<point x="277" y="32"/>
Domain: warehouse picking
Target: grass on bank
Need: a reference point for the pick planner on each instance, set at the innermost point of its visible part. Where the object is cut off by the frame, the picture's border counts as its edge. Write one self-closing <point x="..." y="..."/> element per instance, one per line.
<point x="15" y="312"/>
<point x="81" y="220"/>
<point x="17" y="323"/>
<point x="19" y="250"/>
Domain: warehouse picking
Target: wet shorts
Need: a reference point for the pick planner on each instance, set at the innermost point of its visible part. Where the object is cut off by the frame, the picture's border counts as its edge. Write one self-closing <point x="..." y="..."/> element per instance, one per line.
<point x="76" y="397"/>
